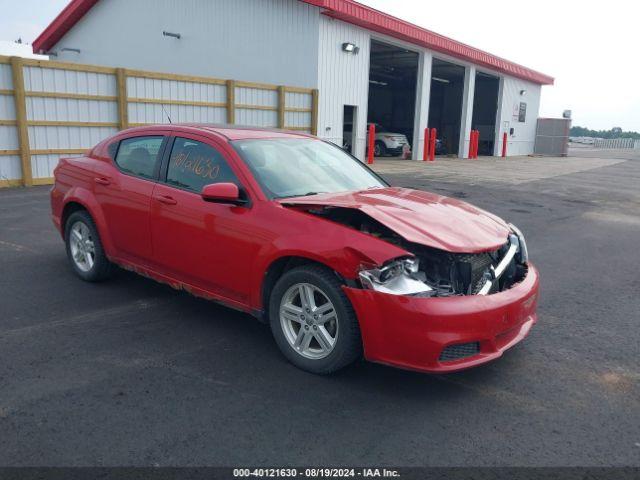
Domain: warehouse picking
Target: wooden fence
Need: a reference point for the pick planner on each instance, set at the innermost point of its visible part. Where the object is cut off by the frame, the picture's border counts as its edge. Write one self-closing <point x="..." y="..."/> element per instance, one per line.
<point x="52" y="109"/>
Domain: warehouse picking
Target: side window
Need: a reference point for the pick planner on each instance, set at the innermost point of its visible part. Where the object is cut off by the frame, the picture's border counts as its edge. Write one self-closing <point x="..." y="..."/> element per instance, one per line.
<point x="139" y="155"/>
<point x="112" y="149"/>
<point x="194" y="164"/>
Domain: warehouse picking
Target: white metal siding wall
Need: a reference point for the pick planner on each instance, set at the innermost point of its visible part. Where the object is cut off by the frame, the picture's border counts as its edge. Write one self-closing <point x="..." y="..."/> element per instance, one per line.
<point x="523" y="141"/>
<point x="343" y="80"/>
<point x="10" y="168"/>
<point x="272" y="41"/>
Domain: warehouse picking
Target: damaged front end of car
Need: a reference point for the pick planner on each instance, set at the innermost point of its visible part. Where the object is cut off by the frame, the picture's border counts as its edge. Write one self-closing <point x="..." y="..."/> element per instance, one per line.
<point x="436" y="273"/>
<point x="433" y="272"/>
<point x="445" y="286"/>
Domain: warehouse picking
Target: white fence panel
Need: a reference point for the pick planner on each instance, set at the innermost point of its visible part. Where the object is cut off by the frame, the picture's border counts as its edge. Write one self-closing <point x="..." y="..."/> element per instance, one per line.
<point x="42" y="165"/>
<point x="7" y="107"/>
<point x="9" y="137"/>
<point x="298" y="100"/>
<point x="62" y="137"/>
<point x="159" y="89"/>
<point x="39" y="79"/>
<point x="256" y="97"/>
<point x="257" y="118"/>
<point x="6" y="80"/>
<point x="71" y="110"/>
<point x="155" y="100"/>
<point x="297" y="120"/>
<point x="68" y="108"/>
<point x="10" y="166"/>
<point x="58" y="101"/>
<point x="147" y="113"/>
<point x="614" y="143"/>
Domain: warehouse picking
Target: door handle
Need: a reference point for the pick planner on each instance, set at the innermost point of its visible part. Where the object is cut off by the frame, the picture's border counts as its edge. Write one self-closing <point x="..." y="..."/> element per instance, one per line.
<point x="167" y="200"/>
<point x="102" y="181"/>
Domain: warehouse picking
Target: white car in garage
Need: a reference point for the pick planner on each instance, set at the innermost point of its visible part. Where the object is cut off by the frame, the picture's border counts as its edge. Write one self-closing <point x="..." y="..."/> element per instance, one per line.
<point x="387" y="143"/>
<point x="390" y="143"/>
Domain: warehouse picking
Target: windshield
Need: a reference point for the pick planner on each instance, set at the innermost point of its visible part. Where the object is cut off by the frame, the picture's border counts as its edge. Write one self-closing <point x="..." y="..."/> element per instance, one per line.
<point x="300" y="167"/>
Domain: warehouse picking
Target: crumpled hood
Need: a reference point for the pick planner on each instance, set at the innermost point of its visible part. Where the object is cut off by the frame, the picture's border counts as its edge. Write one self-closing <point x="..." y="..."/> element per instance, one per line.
<point x="421" y="217"/>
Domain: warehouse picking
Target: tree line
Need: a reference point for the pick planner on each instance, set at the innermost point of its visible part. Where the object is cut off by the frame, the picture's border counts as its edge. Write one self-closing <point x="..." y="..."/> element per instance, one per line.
<point x="615" y="132"/>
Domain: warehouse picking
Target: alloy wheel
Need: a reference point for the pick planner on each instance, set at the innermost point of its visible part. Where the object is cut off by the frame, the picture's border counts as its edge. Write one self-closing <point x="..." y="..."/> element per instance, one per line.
<point x="309" y="321"/>
<point x="83" y="251"/>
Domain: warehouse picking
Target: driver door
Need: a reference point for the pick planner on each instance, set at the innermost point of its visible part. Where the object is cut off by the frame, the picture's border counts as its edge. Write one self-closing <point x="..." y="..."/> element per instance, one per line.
<point x="207" y="245"/>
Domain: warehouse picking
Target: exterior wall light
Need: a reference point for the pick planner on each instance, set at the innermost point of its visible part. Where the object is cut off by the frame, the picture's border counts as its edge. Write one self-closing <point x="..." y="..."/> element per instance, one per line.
<point x="523" y="93"/>
<point x="171" y="34"/>
<point x="350" y="48"/>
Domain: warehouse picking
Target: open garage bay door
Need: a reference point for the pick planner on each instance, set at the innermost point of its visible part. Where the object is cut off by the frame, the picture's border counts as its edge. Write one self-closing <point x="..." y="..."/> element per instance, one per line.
<point x="392" y="96"/>
<point x="445" y="104"/>
<point x="485" y="111"/>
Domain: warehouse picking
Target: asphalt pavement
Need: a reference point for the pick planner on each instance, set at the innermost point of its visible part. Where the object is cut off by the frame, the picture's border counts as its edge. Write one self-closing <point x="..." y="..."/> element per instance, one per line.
<point x="130" y="372"/>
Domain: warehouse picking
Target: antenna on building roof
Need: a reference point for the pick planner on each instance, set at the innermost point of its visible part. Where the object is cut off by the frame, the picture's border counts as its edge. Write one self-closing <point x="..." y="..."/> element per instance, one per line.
<point x="165" y="112"/>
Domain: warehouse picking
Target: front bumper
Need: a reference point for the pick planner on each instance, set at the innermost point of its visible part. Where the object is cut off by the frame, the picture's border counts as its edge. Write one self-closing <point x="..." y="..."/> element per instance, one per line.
<point x="410" y="332"/>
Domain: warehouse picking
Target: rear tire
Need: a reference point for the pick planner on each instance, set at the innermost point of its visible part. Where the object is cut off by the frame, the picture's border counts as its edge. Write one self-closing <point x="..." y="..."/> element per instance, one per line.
<point x="320" y="335"/>
<point x="380" y="149"/>
<point x="84" y="248"/>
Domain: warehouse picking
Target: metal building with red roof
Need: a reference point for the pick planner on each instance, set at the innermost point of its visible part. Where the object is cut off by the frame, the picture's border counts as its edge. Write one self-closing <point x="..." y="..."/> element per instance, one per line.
<point x="367" y="65"/>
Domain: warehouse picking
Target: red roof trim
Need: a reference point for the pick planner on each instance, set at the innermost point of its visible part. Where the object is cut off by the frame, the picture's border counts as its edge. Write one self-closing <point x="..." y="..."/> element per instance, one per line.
<point x="62" y="24"/>
<point x="345" y="10"/>
<point x="371" y="19"/>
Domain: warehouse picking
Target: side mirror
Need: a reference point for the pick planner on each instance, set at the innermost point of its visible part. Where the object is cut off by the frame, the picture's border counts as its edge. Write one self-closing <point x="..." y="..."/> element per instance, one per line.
<point x="222" y="193"/>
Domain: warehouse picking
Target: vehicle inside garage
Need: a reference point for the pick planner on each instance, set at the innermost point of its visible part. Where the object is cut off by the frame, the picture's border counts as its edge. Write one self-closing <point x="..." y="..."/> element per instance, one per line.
<point x="445" y="104"/>
<point x="485" y="111"/>
<point x="393" y="75"/>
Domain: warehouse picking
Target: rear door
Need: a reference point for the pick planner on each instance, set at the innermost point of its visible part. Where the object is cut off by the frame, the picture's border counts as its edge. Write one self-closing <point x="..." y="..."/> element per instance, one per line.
<point x="124" y="192"/>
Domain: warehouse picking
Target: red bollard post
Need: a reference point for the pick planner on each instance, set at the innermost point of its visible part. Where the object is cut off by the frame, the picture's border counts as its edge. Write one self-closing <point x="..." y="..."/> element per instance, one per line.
<point x="476" y="143"/>
<point x="425" y="155"/>
<point x="504" y="144"/>
<point x="372" y="143"/>
<point x="432" y="144"/>
<point x="472" y="144"/>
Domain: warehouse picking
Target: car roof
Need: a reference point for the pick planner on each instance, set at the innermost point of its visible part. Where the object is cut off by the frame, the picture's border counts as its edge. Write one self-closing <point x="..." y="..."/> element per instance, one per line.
<point x="230" y="132"/>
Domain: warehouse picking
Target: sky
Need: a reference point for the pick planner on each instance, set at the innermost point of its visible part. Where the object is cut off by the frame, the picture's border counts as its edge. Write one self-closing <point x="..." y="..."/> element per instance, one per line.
<point x="592" y="48"/>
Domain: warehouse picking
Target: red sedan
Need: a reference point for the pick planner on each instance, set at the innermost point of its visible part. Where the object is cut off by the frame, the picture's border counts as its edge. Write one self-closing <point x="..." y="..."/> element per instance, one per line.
<point x="296" y="232"/>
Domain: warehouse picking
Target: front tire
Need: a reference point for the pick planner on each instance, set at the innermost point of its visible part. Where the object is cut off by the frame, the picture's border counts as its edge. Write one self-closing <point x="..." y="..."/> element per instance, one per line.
<point x="84" y="248"/>
<point x="313" y="322"/>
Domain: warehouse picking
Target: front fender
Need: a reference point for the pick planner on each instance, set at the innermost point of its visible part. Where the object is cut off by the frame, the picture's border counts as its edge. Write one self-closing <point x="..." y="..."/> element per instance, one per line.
<point x="343" y="251"/>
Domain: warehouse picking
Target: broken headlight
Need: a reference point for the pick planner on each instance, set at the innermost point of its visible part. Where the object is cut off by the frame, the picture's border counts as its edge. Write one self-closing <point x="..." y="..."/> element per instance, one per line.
<point x="399" y="277"/>
<point x="523" y="254"/>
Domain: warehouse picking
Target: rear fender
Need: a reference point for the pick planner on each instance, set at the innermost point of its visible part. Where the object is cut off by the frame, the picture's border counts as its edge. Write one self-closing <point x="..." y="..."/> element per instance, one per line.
<point x="85" y="198"/>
